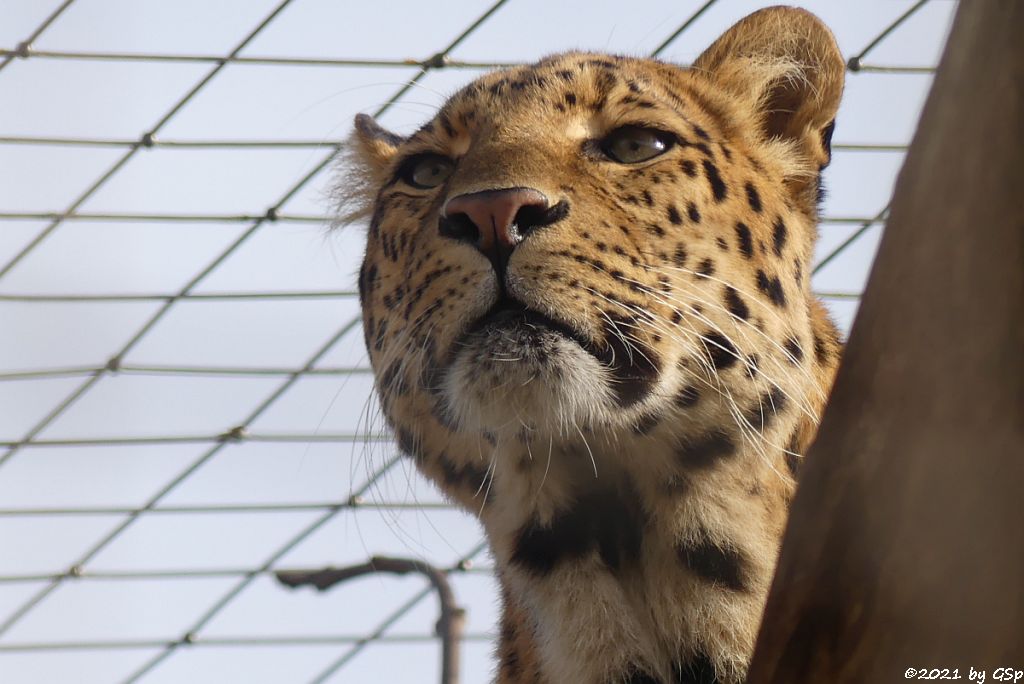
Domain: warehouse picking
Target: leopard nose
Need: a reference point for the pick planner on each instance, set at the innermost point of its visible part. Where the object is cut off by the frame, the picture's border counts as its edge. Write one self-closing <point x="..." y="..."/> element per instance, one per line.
<point x="495" y="221"/>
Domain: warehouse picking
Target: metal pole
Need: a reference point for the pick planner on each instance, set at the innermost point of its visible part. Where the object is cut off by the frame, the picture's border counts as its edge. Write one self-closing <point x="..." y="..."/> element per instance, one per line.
<point x="449" y="625"/>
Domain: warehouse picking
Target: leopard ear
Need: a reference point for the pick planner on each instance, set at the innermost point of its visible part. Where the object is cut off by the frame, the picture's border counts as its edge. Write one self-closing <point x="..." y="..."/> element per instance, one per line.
<point x="363" y="169"/>
<point x="375" y="146"/>
<point x="786" y="62"/>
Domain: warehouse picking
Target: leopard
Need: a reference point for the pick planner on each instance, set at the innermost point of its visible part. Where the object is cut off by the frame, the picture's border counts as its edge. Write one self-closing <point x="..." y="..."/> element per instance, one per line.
<point x="586" y="299"/>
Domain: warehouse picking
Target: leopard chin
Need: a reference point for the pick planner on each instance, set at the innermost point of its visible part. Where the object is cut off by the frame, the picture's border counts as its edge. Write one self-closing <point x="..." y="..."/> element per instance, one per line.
<point x="515" y="372"/>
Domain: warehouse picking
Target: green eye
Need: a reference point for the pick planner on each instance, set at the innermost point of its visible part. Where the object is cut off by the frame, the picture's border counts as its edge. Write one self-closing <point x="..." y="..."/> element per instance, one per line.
<point x="632" y="144"/>
<point x="426" y="170"/>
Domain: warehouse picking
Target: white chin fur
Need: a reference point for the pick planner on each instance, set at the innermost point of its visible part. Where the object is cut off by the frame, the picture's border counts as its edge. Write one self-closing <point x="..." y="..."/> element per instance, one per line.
<point x="499" y="385"/>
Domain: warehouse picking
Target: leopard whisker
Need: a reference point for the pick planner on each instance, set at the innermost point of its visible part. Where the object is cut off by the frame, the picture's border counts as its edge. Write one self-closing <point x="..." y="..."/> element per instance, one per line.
<point x="805" y="407"/>
<point x="756" y="299"/>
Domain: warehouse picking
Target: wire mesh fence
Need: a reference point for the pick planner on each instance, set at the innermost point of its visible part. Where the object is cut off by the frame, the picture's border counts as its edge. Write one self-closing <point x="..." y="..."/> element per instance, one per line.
<point x="173" y="432"/>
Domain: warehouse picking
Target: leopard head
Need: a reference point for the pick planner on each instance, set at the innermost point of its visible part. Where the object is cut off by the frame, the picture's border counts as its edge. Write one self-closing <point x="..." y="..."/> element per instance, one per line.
<point x="591" y="242"/>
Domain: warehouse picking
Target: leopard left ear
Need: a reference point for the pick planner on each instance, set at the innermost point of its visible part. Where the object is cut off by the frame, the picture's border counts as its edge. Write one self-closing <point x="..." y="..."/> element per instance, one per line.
<point x="786" y="62"/>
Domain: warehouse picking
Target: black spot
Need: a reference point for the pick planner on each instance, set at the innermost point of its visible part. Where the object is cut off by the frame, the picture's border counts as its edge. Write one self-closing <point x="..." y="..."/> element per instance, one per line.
<point x="392" y="380"/>
<point x="753" y="197"/>
<point x="701" y="133"/>
<point x="753" y="365"/>
<point x="737" y="307"/>
<point x="673" y="215"/>
<point x="718" y="189"/>
<point x="687" y="397"/>
<point x="705" y="451"/>
<point x="688" y="168"/>
<point x="367" y="281"/>
<point x="820" y="349"/>
<point x="697" y="670"/>
<point x="720" y="564"/>
<point x="795" y="350"/>
<point x="609" y="521"/>
<point x="462" y="476"/>
<point x="706" y="268"/>
<point x="762" y="414"/>
<point x="793" y="462"/>
<point x="407" y="444"/>
<point x="634" y="366"/>
<point x="779" y="237"/>
<point x="691" y="211"/>
<point x="722" y="352"/>
<point x="679" y="255"/>
<point x="510" y="665"/>
<point x="441" y="412"/>
<point x="635" y="675"/>
<point x="722" y="244"/>
<point x="646" y="423"/>
<point x="792" y="455"/>
<point x="446" y="124"/>
<point x="605" y="64"/>
<point x="570" y="98"/>
<point x="744" y="239"/>
<point x="772" y="287"/>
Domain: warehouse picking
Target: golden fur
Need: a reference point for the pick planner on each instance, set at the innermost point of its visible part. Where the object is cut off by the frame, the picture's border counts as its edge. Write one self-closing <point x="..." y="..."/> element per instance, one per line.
<point x="632" y="457"/>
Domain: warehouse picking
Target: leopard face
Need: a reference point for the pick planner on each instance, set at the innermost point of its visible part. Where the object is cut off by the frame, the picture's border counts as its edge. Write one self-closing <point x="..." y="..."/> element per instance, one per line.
<point x="587" y="304"/>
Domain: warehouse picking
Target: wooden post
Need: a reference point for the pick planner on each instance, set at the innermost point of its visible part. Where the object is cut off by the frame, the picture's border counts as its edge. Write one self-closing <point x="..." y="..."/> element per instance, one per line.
<point x="905" y="547"/>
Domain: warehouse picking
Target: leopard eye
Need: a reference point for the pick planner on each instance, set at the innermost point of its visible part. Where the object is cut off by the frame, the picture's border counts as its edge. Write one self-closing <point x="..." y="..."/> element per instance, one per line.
<point x="633" y="144"/>
<point x="426" y="170"/>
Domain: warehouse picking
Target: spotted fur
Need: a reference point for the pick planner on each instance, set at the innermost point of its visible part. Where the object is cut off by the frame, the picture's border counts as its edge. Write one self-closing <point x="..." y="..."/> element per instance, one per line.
<point x="622" y="395"/>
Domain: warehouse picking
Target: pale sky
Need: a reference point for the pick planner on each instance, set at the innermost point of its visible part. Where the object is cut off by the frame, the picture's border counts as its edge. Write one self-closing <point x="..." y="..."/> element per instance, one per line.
<point x="168" y="221"/>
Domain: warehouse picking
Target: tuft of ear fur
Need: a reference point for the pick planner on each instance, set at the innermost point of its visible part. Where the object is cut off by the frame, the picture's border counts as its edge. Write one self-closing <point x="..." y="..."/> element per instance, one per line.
<point x="785" y="61"/>
<point x="364" y="165"/>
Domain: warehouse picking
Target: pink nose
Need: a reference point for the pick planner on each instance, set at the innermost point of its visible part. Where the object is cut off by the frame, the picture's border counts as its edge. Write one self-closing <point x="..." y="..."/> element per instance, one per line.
<point x="494" y="221"/>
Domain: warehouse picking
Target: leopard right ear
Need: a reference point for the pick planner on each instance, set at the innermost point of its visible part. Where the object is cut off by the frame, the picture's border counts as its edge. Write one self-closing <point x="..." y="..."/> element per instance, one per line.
<point x="375" y="146"/>
<point x="364" y="166"/>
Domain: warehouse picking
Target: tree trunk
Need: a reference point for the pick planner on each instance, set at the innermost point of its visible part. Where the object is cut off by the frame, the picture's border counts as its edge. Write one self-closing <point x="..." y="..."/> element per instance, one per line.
<point x="905" y="547"/>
